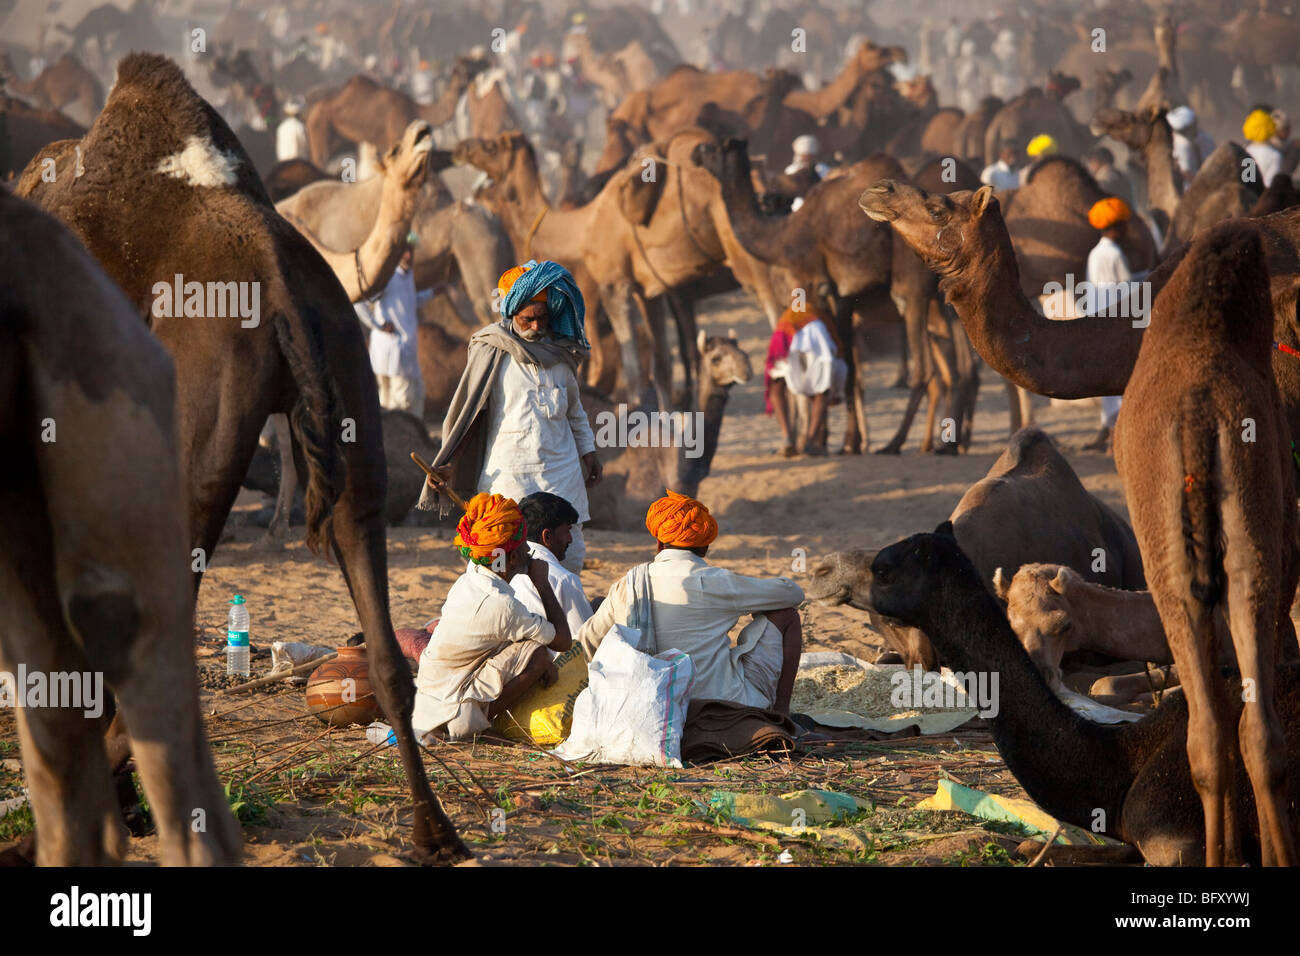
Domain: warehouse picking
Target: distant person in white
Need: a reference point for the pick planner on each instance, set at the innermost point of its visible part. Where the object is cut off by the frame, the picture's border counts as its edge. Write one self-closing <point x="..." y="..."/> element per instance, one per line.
<point x="805" y="165"/>
<point x="1259" y="129"/>
<point x="291" y="134"/>
<point x="394" y="322"/>
<point x="1003" y="173"/>
<point x="550" y="521"/>
<point x="1109" y="275"/>
<point x="1192" y="146"/>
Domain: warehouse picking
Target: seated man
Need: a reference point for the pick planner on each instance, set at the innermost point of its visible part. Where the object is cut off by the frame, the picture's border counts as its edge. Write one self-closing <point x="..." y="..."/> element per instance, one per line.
<point x="686" y="603"/>
<point x="488" y="648"/>
<point x="549" y="518"/>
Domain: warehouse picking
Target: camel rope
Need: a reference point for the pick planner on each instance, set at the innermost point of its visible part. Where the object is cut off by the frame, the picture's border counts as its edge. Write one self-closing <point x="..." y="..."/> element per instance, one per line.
<point x="532" y="230"/>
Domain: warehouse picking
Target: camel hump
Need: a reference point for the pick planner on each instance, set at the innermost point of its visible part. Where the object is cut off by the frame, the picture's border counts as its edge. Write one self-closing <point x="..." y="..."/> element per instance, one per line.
<point x="1027" y="447"/>
<point x="1222" y="288"/>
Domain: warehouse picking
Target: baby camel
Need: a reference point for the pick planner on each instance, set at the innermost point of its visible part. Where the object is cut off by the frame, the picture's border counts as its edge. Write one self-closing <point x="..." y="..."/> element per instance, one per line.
<point x="1204" y="458"/>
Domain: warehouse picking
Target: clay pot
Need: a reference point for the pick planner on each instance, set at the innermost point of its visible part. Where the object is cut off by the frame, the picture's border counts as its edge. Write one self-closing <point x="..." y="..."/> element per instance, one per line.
<point x="343" y="681"/>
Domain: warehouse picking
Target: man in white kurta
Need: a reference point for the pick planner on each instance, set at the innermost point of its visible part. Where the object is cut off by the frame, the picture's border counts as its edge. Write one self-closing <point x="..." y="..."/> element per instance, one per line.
<point x="291" y="135"/>
<point x="1110" y="277"/>
<point x="550" y="522"/>
<point x="394" y="322"/>
<point x="1003" y="174"/>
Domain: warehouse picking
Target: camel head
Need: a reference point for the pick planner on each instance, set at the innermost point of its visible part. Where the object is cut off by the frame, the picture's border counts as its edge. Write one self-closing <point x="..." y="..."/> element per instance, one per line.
<point x="1039" y="612"/>
<point x="727" y="158"/>
<point x="492" y="154"/>
<point x="910" y="579"/>
<point x="778" y="82"/>
<point x="842" y="577"/>
<point x="1060" y="85"/>
<point x="944" y="230"/>
<point x="465" y="69"/>
<point x="1112" y="81"/>
<point x="407" y="160"/>
<point x="1131" y="129"/>
<point x="723" y="360"/>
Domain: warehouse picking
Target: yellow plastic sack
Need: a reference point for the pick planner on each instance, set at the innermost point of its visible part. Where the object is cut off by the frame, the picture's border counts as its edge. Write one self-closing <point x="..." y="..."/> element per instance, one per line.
<point x="545" y="714"/>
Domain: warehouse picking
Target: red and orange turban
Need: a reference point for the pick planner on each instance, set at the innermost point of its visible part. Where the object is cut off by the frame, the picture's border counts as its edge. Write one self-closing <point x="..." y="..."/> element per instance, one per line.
<point x="681" y="522"/>
<point x="792" y="321"/>
<point x="511" y="276"/>
<point x="1106" y="212"/>
<point x="490" y="522"/>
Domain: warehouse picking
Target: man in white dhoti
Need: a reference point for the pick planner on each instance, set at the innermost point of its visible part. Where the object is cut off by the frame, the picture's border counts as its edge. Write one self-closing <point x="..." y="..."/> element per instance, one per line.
<point x="802" y="359"/>
<point x="516" y="424"/>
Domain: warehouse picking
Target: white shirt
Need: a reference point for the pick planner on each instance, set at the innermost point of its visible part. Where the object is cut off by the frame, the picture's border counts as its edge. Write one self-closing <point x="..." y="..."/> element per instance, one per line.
<point x="1268" y="159"/>
<point x="480" y="618"/>
<point x="395" y="353"/>
<point x="1188" y="157"/>
<point x="566" y="585"/>
<point x="1000" y="176"/>
<point x="1109" y="274"/>
<point x="695" y="607"/>
<point x="810" y="367"/>
<point x="291" y="139"/>
<point x="537" y="433"/>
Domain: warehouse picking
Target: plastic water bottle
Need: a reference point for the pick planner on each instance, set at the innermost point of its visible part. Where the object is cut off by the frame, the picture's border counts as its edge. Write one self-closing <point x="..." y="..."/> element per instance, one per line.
<point x="237" y="638"/>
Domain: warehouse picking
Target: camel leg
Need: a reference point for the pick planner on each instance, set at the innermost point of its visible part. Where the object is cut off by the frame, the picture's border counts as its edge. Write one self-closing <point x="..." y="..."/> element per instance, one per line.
<point x="656" y="322"/>
<point x="855" y="417"/>
<point x="683" y="307"/>
<point x="1026" y="407"/>
<point x="896" y="443"/>
<point x="618" y="306"/>
<point x="1013" y="406"/>
<point x="280" y="521"/>
<point x="934" y="392"/>
<point x="944" y="365"/>
<point x="968" y="380"/>
<point x="1253" y="603"/>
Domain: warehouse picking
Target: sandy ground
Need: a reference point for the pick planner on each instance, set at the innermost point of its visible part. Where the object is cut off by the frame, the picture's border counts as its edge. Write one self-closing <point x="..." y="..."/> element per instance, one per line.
<point x="320" y="798"/>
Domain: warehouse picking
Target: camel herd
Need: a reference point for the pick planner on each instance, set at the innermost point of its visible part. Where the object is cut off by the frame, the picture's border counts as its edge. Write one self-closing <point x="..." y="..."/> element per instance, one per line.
<point x="686" y="197"/>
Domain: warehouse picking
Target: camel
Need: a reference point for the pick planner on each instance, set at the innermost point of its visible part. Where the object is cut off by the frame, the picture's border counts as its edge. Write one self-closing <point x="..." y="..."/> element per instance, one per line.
<point x="161" y="199"/>
<point x="968" y="137"/>
<point x="93" y="565"/>
<point x="1280" y="195"/>
<point x="364" y="270"/>
<point x="1054" y="611"/>
<point x="1216" y="519"/>
<point x="1029" y="508"/>
<point x="1216" y="192"/>
<point x="365" y="111"/>
<point x="722" y="363"/>
<point x="291" y="175"/>
<point x="1037" y="111"/>
<point x="487" y="107"/>
<point x="662" y="226"/>
<point x="822" y="102"/>
<point x="615" y="74"/>
<point x="64" y="83"/>
<point x="834" y="260"/>
<point x="1132" y="779"/>
<point x="1081" y="358"/>
<point x="129" y="29"/>
<point x="25" y="129"/>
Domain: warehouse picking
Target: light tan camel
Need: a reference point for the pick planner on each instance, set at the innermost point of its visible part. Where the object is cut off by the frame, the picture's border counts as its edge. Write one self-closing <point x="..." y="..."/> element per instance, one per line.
<point x="615" y="74"/>
<point x="364" y="270"/>
<point x="364" y="111"/>
<point x="1207" y="471"/>
<point x="490" y="113"/>
<point x="161" y="198"/>
<point x="1039" y="111"/>
<point x="63" y="85"/>
<point x="94" y="560"/>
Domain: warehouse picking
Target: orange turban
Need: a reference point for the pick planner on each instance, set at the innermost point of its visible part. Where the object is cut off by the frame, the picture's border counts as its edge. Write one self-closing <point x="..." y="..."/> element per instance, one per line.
<point x="511" y="276"/>
<point x="1106" y="212"/>
<point x="490" y="522"/>
<point x="681" y="522"/>
<point x="792" y="321"/>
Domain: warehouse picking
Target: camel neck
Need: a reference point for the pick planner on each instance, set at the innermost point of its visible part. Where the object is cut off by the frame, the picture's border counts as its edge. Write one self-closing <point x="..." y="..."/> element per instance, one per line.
<point x="1079" y="358"/>
<point x="1164" y="181"/>
<point x="820" y="103"/>
<point x="443" y="110"/>
<point x="762" y="236"/>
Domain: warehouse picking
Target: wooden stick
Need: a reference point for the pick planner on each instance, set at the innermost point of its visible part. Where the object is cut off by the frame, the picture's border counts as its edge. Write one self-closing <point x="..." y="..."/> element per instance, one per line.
<point x="441" y="485"/>
<point x="1046" y="846"/>
<point x="274" y="678"/>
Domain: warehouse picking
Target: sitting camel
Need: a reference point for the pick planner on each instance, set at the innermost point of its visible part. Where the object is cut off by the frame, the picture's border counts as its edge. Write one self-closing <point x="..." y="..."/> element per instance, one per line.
<point x="1206" y="465"/>
<point x="93" y="560"/>
<point x="164" y="190"/>
<point x="1030" y="507"/>
<point x="1130" y="781"/>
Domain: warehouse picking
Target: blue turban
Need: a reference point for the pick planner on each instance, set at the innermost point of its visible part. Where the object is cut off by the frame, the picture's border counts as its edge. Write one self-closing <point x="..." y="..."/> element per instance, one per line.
<point x="562" y="297"/>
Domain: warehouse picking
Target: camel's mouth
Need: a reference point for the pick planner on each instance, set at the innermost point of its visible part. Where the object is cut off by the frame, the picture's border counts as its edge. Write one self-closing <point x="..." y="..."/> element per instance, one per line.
<point x="874" y="201"/>
<point x="423" y="141"/>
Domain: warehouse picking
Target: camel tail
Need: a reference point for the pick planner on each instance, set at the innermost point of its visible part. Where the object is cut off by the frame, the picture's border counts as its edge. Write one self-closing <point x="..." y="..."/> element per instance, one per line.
<point x="1202" y="533"/>
<point x="315" y="420"/>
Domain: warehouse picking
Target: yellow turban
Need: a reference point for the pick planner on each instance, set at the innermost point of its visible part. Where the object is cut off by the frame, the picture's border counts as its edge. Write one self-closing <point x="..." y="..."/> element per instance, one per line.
<point x="1106" y="212"/>
<point x="1041" y="145"/>
<point x="1259" y="127"/>
<point x="490" y="522"/>
<point x="681" y="522"/>
<point x="511" y="276"/>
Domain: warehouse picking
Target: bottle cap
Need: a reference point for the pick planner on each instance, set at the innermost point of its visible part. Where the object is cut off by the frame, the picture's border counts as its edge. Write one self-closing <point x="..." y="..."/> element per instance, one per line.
<point x="237" y="599"/>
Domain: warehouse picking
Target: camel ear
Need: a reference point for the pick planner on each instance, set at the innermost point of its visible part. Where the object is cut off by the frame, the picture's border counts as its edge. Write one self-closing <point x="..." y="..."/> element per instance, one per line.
<point x="980" y="201"/>
<point x="701" y="339"/>
<point x="1058" y="583"/>
<point x="999" y="584"/>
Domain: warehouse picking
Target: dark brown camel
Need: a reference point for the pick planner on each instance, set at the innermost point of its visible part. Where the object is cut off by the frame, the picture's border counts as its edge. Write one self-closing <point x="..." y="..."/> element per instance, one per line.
<point x="1206" y="464"/>
<point x="25" y="129"/>
<point x="288" y="176"/>
<point x="93" y="561"/>
<point x="836" y="262"/>
<point x="167" y="190"/>
<point x="1130" y="781"/>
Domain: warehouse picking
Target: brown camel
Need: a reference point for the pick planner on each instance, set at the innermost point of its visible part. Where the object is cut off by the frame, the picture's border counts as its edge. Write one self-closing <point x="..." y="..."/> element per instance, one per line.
<point x="364" y="111"/>
<point x="93" y="565"/>
<point x="289" y="176"/>
<point x="654" y="238"/>
<point x="1132" y="780"/>
<point x="25" y="130"/>
<point x="835" y="261"/>
<point x="1214" y="511"/>
<point x="822" y="102"/>
<point x="1216" y="193"/>
<point x="65" y="83"/>
<point x="1037" y="111"/>
<point x="490" y="113"/>
<point x="968" y="137"/>
<point x="1029" y="508"/>
<point x="605" y="72"/>
<point x="166" y="190"/>
<point x="364" y="270"/>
